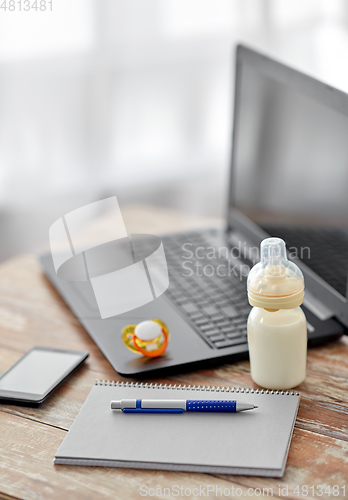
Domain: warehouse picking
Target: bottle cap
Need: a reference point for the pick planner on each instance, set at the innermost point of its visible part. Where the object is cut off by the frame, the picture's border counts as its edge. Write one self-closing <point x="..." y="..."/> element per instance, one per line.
<point x="275" y="282"/>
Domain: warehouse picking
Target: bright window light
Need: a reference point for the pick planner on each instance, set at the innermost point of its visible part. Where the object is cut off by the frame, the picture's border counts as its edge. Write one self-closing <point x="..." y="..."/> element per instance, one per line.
<point x="182" y="18"/>
<point x="68" y="27"/>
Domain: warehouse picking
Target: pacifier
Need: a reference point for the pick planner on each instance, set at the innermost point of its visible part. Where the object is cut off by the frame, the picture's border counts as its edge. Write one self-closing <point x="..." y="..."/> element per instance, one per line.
<point x="149" y="338"/>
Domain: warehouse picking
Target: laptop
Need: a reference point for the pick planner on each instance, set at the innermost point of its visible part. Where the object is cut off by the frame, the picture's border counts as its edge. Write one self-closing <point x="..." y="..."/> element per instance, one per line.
<point x="289" y="178"/>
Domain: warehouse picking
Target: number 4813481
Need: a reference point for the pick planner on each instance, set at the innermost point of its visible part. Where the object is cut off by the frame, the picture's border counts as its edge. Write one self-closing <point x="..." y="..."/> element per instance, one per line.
<point x="26" y="5"/>
<point x="320" y="490"/>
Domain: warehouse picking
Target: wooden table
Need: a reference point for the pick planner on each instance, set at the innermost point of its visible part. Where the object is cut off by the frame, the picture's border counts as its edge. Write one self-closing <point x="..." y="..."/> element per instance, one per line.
<point x="31" y="312"/>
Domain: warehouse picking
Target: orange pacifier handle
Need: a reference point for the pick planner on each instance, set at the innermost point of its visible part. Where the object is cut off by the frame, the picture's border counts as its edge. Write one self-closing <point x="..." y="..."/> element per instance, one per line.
<point x="156" y="352"/>
<point x="149" y="338"/>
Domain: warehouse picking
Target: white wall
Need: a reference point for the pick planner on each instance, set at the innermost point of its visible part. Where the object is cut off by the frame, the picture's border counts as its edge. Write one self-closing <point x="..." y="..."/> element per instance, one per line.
<point x="134" y="97"/>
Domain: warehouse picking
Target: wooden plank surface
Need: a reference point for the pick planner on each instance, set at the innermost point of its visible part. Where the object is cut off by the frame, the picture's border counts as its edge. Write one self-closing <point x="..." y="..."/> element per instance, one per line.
<point x="31" y="312"/>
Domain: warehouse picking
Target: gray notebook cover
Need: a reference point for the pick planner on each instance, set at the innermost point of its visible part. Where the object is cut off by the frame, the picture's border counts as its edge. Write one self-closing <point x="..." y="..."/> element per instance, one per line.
<point x="254" y="442"/>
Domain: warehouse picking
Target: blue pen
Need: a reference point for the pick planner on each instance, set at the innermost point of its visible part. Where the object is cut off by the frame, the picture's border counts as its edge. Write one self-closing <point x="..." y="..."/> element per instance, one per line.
<point x="178" y="406"/>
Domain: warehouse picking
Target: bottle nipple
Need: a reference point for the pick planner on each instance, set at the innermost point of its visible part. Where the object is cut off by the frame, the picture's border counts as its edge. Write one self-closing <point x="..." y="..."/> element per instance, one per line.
<point x="275" y="282"/>
<point x="273" y="258"/>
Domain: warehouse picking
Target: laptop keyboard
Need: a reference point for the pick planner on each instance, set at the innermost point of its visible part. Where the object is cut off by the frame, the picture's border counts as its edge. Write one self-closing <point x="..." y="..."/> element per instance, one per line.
<point x="216" y="306"/>
<point x="328" y="256"/>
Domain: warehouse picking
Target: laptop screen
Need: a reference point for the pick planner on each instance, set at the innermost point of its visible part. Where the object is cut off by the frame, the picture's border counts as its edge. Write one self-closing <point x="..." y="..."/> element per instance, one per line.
<point x="291" y="170"/>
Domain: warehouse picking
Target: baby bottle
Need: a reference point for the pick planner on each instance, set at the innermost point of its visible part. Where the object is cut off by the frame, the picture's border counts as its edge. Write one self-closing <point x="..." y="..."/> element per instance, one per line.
<point x="277" y="327"/>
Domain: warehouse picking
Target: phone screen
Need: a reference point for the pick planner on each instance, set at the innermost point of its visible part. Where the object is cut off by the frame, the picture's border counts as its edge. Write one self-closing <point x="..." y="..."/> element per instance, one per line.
<point x="38" y="371"/>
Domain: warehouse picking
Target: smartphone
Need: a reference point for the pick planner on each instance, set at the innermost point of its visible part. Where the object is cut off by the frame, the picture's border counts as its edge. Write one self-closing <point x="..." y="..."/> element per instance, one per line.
<point x="29" y="381"/>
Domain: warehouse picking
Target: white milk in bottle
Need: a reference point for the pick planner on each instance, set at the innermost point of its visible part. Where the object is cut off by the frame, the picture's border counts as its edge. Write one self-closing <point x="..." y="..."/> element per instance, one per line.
<point x="277" y="327"/>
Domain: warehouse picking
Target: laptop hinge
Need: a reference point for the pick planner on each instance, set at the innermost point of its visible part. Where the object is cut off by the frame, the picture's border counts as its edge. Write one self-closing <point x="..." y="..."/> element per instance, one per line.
<point x="316" y="306"/>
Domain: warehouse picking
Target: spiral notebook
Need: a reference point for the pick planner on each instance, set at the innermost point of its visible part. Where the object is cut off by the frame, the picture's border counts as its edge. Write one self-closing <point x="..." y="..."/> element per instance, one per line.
<point x="254" y="442"/>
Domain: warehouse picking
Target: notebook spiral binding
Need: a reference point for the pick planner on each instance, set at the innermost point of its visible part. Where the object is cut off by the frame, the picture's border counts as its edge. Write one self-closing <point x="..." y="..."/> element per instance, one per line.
<point x="241" y="390"/>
